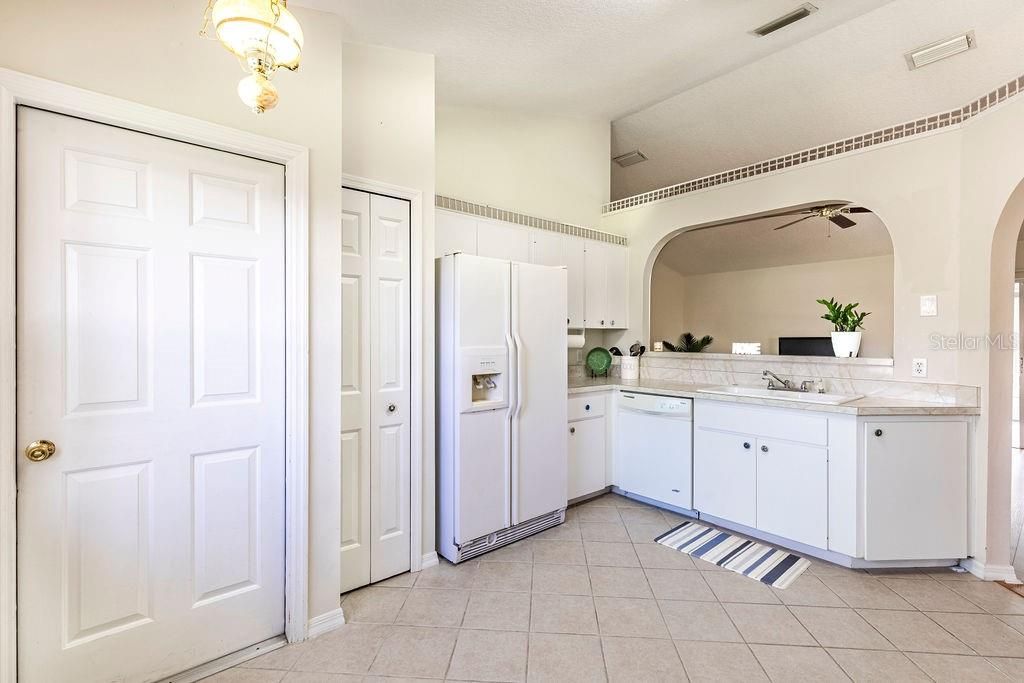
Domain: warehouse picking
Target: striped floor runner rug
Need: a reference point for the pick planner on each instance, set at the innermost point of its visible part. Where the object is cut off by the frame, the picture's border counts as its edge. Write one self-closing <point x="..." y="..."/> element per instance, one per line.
<point x="777" y="568"/>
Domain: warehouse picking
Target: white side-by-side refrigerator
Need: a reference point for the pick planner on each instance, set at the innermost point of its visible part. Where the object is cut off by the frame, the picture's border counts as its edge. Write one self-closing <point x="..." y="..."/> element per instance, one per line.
<point x="502" y="409"/>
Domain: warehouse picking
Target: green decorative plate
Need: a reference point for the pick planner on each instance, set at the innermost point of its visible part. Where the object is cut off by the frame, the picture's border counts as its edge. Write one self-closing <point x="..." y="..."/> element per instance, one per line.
<point x="599" y="360"/>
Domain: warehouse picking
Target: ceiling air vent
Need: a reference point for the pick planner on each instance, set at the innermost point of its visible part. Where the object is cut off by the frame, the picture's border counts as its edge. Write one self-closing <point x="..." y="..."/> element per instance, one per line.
<point x="940" y="49"/>
<point x="802" y="12"/>
<point x="630" y="158"/>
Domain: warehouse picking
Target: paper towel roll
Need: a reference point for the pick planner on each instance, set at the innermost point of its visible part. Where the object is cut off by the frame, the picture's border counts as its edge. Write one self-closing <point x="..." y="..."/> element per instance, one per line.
<point x="577" y="341"/>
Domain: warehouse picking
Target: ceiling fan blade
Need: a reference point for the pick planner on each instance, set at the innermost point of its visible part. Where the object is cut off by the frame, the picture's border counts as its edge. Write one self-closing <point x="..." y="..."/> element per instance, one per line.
<point x="798" y="220"/>
<point x="857" y="209"/>
<point x="842" y="221"/>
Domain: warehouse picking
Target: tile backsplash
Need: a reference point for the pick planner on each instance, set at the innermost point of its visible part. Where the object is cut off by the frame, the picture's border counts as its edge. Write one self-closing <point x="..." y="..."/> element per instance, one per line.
<point x="844" y="376"/>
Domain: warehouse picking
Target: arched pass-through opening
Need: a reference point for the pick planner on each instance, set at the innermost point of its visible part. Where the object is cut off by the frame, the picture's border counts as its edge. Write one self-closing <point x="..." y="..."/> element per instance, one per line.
<point x="756" y="278"/>
<point x="1003" y="350"/>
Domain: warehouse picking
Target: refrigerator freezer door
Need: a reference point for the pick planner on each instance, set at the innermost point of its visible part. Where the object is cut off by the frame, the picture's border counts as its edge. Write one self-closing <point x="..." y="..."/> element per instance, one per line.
<point x="482" y="449"/>
<point x="540" y="409"/>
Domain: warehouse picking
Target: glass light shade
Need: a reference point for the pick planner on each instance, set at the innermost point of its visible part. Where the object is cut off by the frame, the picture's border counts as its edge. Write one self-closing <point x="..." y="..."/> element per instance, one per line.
<point x="248" y="26"/>
<point x="258" y="93"/>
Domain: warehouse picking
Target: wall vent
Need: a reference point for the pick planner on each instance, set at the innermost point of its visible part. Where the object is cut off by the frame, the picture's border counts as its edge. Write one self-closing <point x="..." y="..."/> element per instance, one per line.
<point x="630" y="158"/>
<point x="940" y="49"/>
<point x="802" y="12"/>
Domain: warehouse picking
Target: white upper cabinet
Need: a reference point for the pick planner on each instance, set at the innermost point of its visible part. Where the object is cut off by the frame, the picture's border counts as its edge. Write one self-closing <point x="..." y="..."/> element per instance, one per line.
<point x="498" y="239"/>
<point x="607" y="285"/>
<point x="547" y="248"/>
<point x="618" y="285"/>
<point x="575" y="259"/>
<point x="454" y="232"/>
<point x="598" y="272"/>
<point x="553" y="249"/>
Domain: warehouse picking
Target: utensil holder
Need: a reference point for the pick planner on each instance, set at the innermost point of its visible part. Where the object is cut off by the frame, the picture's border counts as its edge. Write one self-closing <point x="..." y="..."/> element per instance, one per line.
<point x="630" y="367"/>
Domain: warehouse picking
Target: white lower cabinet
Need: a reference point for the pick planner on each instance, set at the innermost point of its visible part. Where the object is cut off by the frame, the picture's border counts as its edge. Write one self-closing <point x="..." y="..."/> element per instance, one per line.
<point x="915" y="486"/>
<point x="883" y="489"/>
<point x="587" y="445"/>
<point x="792" y="491"/>
<point x="724" y="475"/>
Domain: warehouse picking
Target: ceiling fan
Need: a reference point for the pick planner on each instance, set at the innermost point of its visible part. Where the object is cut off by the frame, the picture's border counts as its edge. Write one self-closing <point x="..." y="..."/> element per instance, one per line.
<point x="834" y="213"/>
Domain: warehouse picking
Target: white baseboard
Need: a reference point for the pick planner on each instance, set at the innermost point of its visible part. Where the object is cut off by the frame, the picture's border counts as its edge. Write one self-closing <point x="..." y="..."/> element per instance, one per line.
<point x="429" y="560"/>
<point x="328" y="621"/>
<point x="987" y="572"/>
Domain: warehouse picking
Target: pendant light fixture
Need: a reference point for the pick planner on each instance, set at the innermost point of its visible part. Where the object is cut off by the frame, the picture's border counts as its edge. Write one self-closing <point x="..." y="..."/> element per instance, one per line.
<point x="264" y="36"/>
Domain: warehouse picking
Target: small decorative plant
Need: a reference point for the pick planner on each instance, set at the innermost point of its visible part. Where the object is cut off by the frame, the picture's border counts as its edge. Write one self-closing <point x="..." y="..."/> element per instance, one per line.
<point x="688" y="343"/>
<point x="844" y="318"/>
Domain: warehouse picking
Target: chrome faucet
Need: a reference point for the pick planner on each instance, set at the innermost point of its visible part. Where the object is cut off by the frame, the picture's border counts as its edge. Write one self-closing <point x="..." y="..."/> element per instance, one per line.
<point x="783" y="384"/>
<point x="786" y="385"/>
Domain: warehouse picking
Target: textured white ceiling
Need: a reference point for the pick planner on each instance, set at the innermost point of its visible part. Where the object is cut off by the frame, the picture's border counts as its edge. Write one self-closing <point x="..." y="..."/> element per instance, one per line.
<point x="756" y="244"/>
<point x="597" y="59"/>
<point x="846" y="81"/>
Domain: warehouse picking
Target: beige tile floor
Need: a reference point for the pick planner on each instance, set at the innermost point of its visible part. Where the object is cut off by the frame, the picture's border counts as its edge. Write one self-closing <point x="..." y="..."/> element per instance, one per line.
<point x="595" y="600"/>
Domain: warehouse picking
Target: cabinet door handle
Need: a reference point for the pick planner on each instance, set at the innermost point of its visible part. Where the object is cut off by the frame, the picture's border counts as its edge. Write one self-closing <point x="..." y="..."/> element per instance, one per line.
<point x="613" y="322"/>
<point x="586" y="407"/>
<point x="602" y="322"/>
<point x="746" y="444"/>
<point x="764" y="449"/>
<point x="572" y="430"/>
<point x="878" y="432"/>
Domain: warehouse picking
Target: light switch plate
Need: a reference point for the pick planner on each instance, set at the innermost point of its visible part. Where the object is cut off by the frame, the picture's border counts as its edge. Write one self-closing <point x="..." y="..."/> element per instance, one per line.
<point x="929" y="305"/>
<point x="919" y="367"/>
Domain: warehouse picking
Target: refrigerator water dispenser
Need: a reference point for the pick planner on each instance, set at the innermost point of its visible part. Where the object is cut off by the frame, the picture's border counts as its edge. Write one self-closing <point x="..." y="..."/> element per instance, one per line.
<point x="484" y="383"/>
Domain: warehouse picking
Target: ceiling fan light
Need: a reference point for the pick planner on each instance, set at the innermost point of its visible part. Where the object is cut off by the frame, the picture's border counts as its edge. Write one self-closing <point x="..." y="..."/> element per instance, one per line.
<point x="261" y="28"/>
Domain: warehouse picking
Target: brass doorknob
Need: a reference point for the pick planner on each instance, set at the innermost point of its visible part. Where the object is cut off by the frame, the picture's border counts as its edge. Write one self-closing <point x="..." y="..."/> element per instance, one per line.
<point x="38" y="451"/>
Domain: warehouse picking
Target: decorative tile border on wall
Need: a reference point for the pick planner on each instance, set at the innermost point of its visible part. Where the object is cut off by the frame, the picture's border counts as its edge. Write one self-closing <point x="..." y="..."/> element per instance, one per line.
<point x="911" y="128"/>
<point x="485" y="211"/>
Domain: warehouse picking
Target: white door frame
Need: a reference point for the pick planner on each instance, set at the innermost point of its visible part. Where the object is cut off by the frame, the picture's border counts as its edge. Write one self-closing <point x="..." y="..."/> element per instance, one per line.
<point x="415" y="198"/>
<point x="21" y="89"/>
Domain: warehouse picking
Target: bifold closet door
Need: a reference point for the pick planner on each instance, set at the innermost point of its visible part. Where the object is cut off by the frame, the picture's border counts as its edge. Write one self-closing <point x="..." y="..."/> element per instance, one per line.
<point x="376" y="398"/>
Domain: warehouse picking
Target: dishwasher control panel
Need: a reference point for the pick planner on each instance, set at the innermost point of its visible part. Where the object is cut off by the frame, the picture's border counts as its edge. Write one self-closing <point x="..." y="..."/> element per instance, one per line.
<point x="653" y="403"/>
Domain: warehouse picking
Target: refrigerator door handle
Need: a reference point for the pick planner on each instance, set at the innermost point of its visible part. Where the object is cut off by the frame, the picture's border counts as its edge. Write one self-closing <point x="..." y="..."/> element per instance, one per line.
<point x="515" y="406"/>
<point x="514" y="389"/>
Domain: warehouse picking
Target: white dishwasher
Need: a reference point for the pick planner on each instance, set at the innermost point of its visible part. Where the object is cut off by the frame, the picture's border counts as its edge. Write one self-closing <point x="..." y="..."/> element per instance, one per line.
<point x="654" y="448"/>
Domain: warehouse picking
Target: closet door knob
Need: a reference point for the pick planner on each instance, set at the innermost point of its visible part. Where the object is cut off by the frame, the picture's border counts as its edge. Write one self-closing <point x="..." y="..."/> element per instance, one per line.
<point x="746" y="444"/>
<point x="878" y="432"/>
<point x="572" y="430"/>
<point x="764" y="449"/>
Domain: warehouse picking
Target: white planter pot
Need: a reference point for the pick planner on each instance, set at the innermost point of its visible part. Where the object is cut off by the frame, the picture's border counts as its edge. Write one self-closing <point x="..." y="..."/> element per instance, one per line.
<point x="846" y="344"/>
<point x="630" y="367"/>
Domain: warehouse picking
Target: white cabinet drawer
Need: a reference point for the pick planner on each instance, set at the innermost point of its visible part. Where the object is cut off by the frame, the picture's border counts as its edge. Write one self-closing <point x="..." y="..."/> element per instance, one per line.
<point x="587" y="405"/>
<point x="771" y="423"/>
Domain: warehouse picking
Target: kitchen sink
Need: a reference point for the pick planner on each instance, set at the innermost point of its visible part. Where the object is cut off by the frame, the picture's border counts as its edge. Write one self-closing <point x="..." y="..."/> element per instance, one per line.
<point x="795" y="396"/>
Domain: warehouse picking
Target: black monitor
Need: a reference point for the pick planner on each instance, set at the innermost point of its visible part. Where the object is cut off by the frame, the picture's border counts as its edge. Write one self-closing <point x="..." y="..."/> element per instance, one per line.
<point x="805" y="346"/>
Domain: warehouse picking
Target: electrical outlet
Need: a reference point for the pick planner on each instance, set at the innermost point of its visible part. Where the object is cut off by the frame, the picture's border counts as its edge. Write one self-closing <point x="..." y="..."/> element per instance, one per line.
<point x="929" y="305"/>
<point x="919" y="367"/>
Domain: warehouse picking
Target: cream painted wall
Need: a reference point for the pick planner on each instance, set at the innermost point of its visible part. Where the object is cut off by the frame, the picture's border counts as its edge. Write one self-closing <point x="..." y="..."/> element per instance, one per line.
<point x="953" y="205"/>
<point x="763" y="304"/>
<point x="551" y="167"/>
<point x="149" y="52"/>
<point x="389" y="137"/>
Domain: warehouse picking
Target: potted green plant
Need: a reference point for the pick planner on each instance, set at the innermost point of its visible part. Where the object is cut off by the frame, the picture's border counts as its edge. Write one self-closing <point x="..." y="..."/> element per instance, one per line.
<point x="689" y="343"/>
<point x="848" y="323"/>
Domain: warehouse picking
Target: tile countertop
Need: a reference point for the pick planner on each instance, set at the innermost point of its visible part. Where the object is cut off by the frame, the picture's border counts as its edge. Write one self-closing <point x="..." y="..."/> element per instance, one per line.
<point x="868" y="405"/>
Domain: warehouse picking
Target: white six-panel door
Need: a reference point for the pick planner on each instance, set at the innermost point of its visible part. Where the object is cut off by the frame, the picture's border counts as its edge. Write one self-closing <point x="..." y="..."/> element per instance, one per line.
<point x="151" y="352"/>
<point x="376" y="393"/>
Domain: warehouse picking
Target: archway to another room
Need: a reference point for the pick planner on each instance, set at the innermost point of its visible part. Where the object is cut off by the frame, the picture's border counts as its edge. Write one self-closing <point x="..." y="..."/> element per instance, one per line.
<point x="757" y="281"/>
